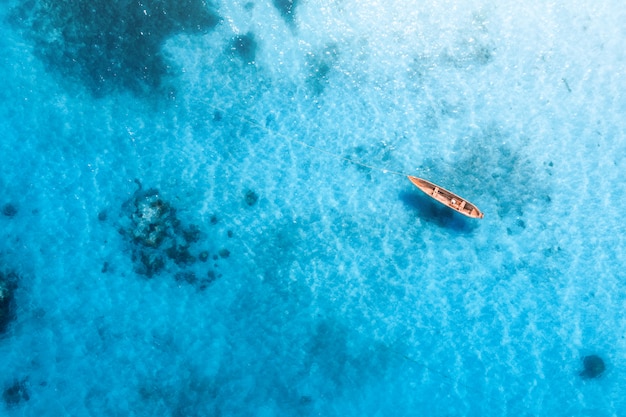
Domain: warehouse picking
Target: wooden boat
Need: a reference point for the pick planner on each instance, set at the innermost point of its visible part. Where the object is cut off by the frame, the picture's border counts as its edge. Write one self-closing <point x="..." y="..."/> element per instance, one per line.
<point x="447" y="198"/>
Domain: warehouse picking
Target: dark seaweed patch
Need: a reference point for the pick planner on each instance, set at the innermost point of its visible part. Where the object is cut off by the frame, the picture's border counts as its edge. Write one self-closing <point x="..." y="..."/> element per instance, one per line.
<point x="8" y="285"/>
<point x="341" y="355"/>
<point x="186" y="276"/>
<point x="160" y="242"/>
<point x="9" y="210"/>
<point x="210" y="277"/>
<point x="180" y="255"/>
<point x="244" y="47"/>
<point x="490" y="168"/>
<point x="319" y="67"/>
<point x="469" y="54"/>
<point x="251" y="198"/>
<point x="191" y="234"/>
<point x="287" y="9"/>
<point x="110" y="46"/>
<point x="16" y="393"/>
<point x="474" y="47"/>
<point x="148" y="263"/>
<point x="156" y="233"/>
<point x="593" y="367"/>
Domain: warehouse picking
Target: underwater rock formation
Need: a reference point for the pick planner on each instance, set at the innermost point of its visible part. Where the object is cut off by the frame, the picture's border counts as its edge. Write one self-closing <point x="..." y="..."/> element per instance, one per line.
<point x="159" y="240"/>
<point x="593" y="367"/>
<point x="152" y="219"/>
<point x="156" y="233"/>
<point x="8" y="285"/>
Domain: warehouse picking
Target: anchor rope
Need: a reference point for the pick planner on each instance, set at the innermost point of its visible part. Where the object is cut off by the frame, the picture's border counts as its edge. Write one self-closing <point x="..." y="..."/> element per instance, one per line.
<point x="253" y="122"/>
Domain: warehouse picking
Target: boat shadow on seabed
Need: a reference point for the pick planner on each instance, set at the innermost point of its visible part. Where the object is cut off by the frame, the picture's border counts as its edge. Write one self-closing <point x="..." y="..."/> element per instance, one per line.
<point x="432" y="212"/>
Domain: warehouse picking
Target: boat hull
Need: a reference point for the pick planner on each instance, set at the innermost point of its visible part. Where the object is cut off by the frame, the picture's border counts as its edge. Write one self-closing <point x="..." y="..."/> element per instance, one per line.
<point x="447" y="198"/>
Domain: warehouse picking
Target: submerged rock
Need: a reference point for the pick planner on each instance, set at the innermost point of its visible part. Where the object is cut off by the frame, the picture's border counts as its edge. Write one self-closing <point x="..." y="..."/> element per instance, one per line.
<point x="158" y="238"/>
<point x="593" y="367"/>
<point x="152" y="219"/>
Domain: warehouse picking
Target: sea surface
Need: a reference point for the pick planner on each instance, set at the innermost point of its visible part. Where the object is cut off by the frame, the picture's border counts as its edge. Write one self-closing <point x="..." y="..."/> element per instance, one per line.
<point x="204" y="208"/>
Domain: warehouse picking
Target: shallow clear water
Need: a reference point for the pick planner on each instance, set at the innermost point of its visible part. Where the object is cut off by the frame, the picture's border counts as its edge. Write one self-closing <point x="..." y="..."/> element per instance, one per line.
<point x="329" y="288"/>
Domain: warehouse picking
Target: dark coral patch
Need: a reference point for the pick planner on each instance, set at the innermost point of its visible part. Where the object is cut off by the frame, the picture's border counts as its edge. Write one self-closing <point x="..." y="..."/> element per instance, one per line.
<point x="110" y="46"/>
<point x="287" y="9"/>
<point x="244" y="47"/>
<point x="191" y="234"/>
<point x="160" y="242"/>
<point x="251" y="198"/>
<point x="9" y="210"/>
<point x="156" y="233"/>
<point x="186" y="276"/>
<point x="15" y="393"/>
<point x="319" y="67"/>
<point x="8" y="285"/>
<point x="148" y="263"/>
<point x="152" y="219"/>
<point x="593" y="367"/>
<point x="180" y="255"/>
<point x="208" y="280"/>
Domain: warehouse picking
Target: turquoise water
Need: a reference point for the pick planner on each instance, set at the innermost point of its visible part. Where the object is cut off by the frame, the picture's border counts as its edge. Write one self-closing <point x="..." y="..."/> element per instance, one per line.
<point x="183" y="238"/>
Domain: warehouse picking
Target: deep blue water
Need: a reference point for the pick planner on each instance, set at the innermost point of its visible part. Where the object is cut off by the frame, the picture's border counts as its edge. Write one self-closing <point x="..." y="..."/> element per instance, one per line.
<point x="182" y="232"/>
